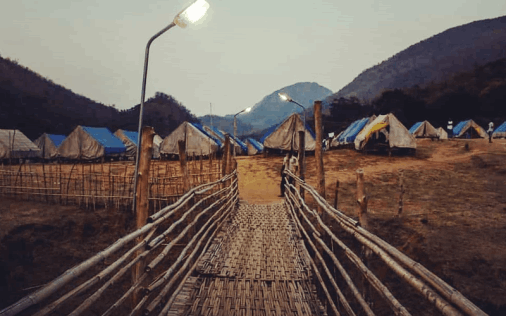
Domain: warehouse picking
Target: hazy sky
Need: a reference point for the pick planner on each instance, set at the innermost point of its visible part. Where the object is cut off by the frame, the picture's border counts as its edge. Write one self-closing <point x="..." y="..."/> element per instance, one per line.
<point x="242" y="51"/>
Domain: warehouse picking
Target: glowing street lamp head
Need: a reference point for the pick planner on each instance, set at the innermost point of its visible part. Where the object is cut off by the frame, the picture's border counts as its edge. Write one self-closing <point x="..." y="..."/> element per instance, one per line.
<point x="192" y="14"/>
<point x="247" y="110"/>
<point x="284" y="96"/>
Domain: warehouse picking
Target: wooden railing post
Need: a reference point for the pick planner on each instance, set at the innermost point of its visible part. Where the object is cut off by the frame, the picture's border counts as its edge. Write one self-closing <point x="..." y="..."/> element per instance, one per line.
<point x="142" y="198"/>
<point x="224" y="157"/>
<point x="320" y="172"/>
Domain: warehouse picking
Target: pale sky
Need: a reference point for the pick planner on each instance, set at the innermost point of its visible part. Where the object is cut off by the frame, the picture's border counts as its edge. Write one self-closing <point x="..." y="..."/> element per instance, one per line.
<point x="241" y="52"/>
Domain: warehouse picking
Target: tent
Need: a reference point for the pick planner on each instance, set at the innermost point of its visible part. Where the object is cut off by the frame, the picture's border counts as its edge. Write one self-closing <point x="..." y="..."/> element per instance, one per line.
<point x="157" y="141"/>
<point x="285" y="136"/>
<point x="469" y="128"/>
<point x="198" y="141"/>
<point x="14" y="144"/>
<point x="240" y="147"/>
<point x="91" y="143"/>
<point x="129" y="139"/>
<point x="350" y="133"/>
<point x="423" y="129"/>
<point x="254" y="147"/>
<point x="441" y="133"/>
<point x="386" y="129"/>
<point x="500" y="132"/>
<point x="48" y="144"/>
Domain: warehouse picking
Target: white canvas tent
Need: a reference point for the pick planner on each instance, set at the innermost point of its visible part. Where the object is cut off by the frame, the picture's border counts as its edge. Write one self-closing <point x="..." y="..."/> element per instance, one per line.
<point x="285" y="136"/>
<point x="91" y="143"/>
<point x="350" y="133"/>
<point x="423" y="129"/>
<point x="14" y="144"/>
<point x="441" y="133"/>
<point x="386" y="129"/>
<point x="197" y="141"/>
<point x="157" y="141"/>
<point x="48" y="145"/>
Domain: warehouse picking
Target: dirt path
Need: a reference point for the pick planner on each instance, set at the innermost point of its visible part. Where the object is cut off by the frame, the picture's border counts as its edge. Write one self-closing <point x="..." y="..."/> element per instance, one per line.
<point x="259" y="179"/>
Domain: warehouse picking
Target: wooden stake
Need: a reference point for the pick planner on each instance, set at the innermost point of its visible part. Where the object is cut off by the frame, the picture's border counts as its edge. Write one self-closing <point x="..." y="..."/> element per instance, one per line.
<point x="224" y="157"/>
<point x="336" y="194"/>
<point x="401" y="192"/>
<point x="302" y="158"/>
<point x="320" y="172"/>
<point x="361" y="199"/>
<point x="142" y="198"/>
<point x="184" y="167"/>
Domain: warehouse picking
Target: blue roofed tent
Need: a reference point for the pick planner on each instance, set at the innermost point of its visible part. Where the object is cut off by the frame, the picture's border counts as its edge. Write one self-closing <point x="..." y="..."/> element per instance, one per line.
<point x="240" y="147"/>
<point x="254" y="147"/>
<point x="500" y="132"/>
<point x="284" y="136"/>
<point x="238" y="143"/>
<point x="469" y="128"/>
<point x="91" y="143"/>
<point x="129" y="139"/>
<point x="48" y="144"/>
<point x="350" y="133"/>
<point x="198" y="141"/>
<point x="415" y="127"/>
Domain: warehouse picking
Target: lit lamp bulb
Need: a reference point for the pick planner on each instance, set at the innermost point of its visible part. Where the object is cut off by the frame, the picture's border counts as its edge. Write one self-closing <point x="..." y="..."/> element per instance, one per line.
<point x="247" y="110"/>
<point x="192" y="14"/>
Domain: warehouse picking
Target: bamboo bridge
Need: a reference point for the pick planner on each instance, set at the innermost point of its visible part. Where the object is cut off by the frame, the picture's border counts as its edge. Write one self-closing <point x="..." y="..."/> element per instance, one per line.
<point x="211" y="254"/>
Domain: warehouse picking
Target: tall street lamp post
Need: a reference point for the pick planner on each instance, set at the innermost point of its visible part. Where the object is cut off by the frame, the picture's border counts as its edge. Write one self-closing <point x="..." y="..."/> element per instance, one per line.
<point x="286" y="97"/>
<point x="190" y="14"/>
<point x="235" y="124"/>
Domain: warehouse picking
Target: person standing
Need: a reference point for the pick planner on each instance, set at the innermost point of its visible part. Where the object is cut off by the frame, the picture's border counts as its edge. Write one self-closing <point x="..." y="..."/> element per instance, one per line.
<point x="450" y="129"/>
<point x="490" y="131"/>
<point x="283" y="176"/>
<point x="293" y="166"/>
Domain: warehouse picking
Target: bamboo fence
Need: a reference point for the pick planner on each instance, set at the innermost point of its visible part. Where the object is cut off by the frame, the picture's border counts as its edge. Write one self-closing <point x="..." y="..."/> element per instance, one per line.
<point x="320" y="240"/>
<point x="157" y="286"/>
<point x="93" y="185"/>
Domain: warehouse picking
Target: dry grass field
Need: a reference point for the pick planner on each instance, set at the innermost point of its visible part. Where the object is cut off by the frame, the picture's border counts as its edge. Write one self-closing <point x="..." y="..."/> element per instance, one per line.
<point x="453" y="222"/>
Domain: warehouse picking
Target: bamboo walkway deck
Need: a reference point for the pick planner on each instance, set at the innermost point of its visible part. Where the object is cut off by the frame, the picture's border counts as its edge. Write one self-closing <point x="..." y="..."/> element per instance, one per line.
<point x="256" y="265"/>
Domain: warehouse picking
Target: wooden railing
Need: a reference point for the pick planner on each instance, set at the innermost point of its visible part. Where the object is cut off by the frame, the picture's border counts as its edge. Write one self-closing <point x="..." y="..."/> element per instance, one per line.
<point x="320" y="240"/>
<point x="192" y="221"/>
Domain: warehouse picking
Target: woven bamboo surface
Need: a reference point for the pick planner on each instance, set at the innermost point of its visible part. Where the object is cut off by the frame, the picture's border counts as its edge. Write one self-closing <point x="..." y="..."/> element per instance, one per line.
<point x="255" y="266"/>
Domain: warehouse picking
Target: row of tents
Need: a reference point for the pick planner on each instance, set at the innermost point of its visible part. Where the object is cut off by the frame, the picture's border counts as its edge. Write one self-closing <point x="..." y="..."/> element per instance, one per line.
<point x="387" y="129"/>
<point x="89" y="143"/>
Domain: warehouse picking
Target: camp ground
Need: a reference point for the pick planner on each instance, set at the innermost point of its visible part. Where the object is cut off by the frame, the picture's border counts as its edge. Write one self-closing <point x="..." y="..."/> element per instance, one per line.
<point x="284" y="136"/>
<point x="469" y="129"/>
<point x="254" y="147"/>
<point x="385" y="131"/>
<point x="347" y="137"/>
<point x="48" y="144"/>
<point x="14" y="144"/>
<point x="423" y="130"/>
<point x="442" y="134"/>
<point x="500" y="132"/>
<point x="219" y="134"/>
<point x="89" y="143"/>
<point x="198" y="141"/>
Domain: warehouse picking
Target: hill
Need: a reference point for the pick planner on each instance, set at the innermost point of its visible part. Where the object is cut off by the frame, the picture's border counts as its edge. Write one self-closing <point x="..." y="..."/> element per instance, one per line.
<point x="34" y="105"/>
<point x="272" y="110"/>
<point x="478" y="94"/>
<point x="432" y="60"/>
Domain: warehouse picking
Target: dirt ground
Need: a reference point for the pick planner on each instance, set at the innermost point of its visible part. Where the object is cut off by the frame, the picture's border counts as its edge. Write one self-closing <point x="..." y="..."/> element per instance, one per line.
<point x="454" y="218"/>
<point x="454" y="215"/>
